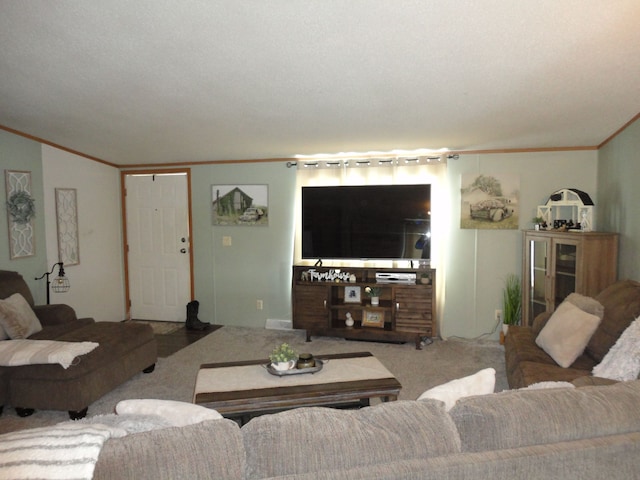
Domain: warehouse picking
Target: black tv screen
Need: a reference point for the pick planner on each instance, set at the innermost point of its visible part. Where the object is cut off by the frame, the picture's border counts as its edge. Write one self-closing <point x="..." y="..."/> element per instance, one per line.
<point x="366" y="222"/>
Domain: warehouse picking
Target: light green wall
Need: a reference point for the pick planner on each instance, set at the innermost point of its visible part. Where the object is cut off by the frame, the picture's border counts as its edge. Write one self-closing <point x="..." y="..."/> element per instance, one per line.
<point x="619" y="193"/>
<point x="229" y="280"/>
<point x="97" y="282"/>
<point x="478" y="261"/>
<point x="18" y="153"/>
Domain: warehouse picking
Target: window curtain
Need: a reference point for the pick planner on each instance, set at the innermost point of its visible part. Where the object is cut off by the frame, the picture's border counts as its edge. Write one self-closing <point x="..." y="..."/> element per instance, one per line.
<point x="433" y="174"/>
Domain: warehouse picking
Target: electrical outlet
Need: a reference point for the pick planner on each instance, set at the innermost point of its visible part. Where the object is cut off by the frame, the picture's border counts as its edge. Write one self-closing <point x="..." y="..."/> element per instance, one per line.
<point x="226" y="241"/>
<point x="498" y="317"/>
<point x="259" y="305"/>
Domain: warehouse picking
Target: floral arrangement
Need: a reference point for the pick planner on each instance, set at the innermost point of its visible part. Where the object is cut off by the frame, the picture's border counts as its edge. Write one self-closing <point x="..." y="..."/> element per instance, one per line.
<point x="283" y="353"/>
<point x="21" y="207"/>
<point x="373" y="291"/>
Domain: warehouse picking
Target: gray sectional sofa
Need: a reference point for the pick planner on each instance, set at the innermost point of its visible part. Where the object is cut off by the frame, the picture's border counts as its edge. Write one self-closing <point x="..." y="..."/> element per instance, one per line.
<point x="583" y="433"/>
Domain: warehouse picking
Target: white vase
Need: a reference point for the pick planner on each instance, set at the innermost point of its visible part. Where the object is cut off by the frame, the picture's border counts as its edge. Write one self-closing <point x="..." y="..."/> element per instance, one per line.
<point x="375" y="301"/>
<point x="505" y="329"/>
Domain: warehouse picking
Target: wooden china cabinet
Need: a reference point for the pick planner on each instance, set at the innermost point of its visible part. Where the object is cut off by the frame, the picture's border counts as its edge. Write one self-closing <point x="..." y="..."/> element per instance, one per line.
<point x="556" y="264"/>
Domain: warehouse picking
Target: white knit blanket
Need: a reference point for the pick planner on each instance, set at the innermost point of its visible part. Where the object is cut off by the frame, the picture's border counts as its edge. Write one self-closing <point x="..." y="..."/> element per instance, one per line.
<point x="30" y="352"/>
<point x="65" y="451"/>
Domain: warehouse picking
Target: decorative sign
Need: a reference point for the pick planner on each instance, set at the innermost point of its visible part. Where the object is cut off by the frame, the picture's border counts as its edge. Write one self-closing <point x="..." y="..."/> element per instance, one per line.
<point x="20" y="213"/>
<point x="332" y="275"/>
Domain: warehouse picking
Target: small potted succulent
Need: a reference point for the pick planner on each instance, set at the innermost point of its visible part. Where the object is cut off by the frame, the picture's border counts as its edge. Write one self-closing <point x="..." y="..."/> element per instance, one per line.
<point x="539" y="223"/>
<point x="374" y="293"/>
<point x="283" y="357"/>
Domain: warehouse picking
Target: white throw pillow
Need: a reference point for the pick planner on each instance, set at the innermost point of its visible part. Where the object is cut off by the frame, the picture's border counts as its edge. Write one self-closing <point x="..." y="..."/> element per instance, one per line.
<point x="480" y="383"/>
<point x="543" y="385"/>
<point x="567" y="333"/>
<point x="178" y="414"/>
<point x="17" y="317"/>
<point x="622" y="362"/>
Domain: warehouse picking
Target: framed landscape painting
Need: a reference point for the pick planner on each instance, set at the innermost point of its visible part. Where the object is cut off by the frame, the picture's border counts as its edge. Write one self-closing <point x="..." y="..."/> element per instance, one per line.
<point x="246" y="205"/>
<point x="490" y="202"/>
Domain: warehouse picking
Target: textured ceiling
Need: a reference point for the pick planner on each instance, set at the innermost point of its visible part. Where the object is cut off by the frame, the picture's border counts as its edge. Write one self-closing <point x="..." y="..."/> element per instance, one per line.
<point x="164" y="81"/>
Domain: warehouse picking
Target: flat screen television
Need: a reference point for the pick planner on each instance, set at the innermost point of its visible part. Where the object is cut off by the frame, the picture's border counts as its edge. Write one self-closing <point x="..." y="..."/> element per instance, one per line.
<point x="370" y="222"/>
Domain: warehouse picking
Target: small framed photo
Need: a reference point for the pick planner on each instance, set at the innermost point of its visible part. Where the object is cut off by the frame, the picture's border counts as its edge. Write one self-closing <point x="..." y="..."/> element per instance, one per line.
<point x="352" y="294"/>
<point x="373" y="318"/>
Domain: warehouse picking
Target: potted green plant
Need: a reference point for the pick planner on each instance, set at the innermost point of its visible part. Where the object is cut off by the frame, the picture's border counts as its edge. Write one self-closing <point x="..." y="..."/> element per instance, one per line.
<point x="374" y="293"/>
<point x="538" y="222"/>
<point x="511" y="302"/>
<point x="283" y="357"/>
<point x="425" y="278"/>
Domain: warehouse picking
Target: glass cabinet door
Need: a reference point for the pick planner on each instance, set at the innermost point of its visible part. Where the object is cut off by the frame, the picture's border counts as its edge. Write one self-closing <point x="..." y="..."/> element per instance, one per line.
<point x="537" y="269"/>
<point x="565" y="272"/>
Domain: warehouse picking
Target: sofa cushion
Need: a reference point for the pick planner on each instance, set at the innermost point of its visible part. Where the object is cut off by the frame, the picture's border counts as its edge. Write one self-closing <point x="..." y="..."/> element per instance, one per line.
<point x="480" y="383"/>
<point x="12" y="282"/>
<point x="17" y="317"/>
<point x="54" y="332"/>
<point x="567" y="333"/>
<point x="211" y="449"/>
<point x="520" y="418"/>
<point x="520" y="346"/>
<point x="621" y="303"/>
<point x="308" y="440"/>
<point x="528" y="373"/>
<point x="622" y="362"/>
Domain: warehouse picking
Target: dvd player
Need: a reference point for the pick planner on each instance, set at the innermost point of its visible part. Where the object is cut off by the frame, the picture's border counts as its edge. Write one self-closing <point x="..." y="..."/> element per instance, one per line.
<point x="395" y="277"/>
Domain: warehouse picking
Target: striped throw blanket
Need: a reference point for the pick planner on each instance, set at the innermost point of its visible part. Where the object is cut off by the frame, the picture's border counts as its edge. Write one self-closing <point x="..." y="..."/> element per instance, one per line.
<point x="65" y="451"/>
<point x="30" y="352"/>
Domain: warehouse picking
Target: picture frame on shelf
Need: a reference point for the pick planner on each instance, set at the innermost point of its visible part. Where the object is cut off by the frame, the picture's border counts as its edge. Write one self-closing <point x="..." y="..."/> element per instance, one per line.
<point x="352" y="294"/>
<point x="372" y="318"/>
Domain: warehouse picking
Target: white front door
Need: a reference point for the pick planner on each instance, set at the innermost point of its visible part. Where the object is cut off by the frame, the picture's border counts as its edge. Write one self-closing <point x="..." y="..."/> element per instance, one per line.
<point x="157" y="218"/>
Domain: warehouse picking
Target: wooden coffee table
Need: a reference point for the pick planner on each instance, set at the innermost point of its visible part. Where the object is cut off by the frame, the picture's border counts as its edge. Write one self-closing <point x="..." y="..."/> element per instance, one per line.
<point x="246" y="389"/>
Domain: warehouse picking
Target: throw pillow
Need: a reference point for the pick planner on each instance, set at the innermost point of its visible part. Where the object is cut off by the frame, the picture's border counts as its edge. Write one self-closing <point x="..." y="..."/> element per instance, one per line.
<point x="178" y="414"/>
<point x="122" y="425"/>
<point x="586" y="304"/>
<point x="567" y="333"/>
<point x="622" y="361"/>
<point x="480" y="383"/>
<point x="543" y="385"/>
<point x="17" y="317"/>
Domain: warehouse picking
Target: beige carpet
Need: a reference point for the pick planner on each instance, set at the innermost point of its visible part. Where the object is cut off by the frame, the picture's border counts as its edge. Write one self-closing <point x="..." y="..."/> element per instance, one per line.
<point x="174" y="377"/>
